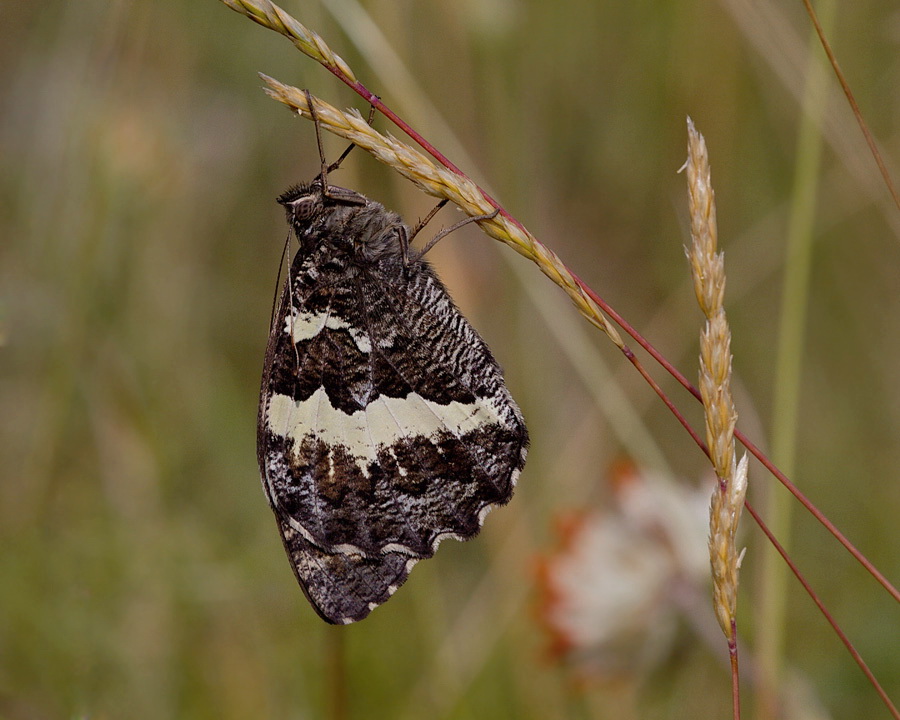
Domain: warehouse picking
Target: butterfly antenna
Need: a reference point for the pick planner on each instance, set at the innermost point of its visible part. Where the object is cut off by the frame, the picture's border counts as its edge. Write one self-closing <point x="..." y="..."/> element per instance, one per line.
<point x="276" y="297"/>
<point x="314" y="116"/>
<point x="337" y="163"/>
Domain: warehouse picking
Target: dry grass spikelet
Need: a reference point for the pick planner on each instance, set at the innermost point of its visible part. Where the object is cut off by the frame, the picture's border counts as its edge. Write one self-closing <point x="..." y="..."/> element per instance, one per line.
<point x="708" y="270"/>
<point x="271" y="16"/>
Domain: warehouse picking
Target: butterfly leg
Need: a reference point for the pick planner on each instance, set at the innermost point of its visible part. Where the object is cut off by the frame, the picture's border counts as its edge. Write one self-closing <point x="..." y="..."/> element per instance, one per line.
<point x="427" y="219"/>
<point x="446" y="231"/>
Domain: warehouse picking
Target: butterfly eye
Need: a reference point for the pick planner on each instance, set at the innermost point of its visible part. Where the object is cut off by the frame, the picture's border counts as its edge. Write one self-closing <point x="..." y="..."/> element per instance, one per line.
<point x="306" y="207"/>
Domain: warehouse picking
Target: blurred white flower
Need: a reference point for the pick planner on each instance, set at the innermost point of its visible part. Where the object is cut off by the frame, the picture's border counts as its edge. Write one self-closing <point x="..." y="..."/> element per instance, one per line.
<point x="613" y="589"/>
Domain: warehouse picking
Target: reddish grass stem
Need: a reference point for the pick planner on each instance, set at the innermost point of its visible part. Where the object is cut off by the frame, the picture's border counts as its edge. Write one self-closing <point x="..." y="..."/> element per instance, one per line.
<point x="851" y="100"/>
<point x="735" y="675"/>
<point x="831" y="621"/>
<point x="648" y="378"/>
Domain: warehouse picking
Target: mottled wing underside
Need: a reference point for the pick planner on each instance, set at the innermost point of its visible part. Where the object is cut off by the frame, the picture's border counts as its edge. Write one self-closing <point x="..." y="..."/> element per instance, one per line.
<point x="385" y="425"/>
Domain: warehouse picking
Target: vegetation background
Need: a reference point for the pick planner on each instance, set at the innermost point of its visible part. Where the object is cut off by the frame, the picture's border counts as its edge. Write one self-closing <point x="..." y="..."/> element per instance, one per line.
<point x="141" y="574"/>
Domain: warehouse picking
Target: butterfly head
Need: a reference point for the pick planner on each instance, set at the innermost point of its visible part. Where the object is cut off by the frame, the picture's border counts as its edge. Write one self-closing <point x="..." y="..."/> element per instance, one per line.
<point x="306" y="203"/>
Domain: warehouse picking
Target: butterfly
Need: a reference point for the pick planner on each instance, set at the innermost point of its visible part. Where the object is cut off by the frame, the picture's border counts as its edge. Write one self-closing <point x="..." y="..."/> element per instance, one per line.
<point x="385" y="425"/>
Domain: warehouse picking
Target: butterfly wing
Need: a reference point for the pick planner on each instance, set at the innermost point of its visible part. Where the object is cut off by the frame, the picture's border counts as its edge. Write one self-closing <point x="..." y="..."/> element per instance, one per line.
<point x="385" y="427"/>
<point x="342" y="587"/>
<point x="455" y="440"/>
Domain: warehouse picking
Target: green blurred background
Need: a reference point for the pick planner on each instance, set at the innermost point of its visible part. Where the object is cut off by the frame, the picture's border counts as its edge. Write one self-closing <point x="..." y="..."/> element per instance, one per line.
<point x="141" y="575"/>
